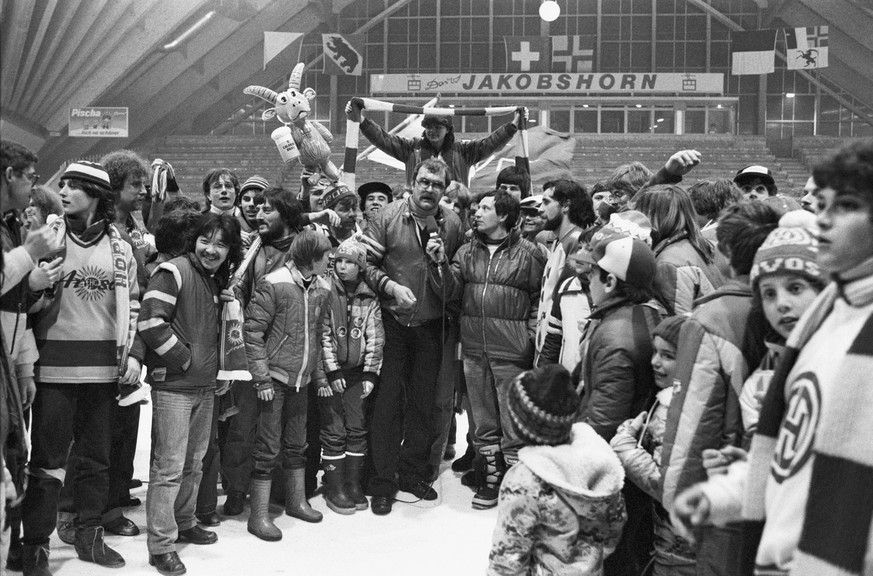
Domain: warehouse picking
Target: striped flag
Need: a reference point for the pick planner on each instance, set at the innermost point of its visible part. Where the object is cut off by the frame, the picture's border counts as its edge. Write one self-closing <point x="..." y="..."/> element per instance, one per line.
<point x="753" y="52"/>
<point x="528" y="53"/>
<point x="806" y="48"/>
<point x="572" y="53"/>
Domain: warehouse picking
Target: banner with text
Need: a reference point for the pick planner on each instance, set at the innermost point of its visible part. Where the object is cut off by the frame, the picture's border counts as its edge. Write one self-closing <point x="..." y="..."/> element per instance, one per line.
<point x="536" y="84"/>
<point x="98" y="122"/>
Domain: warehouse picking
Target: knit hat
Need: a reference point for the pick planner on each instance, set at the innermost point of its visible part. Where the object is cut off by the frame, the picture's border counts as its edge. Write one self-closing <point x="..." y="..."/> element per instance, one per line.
<point x="543" y="405"/>
<point x="434" y="120"/>
<point x="669" y="329"/>
<point x="368" y="188"/>
<point x="787" y="250"/>
<point x="88" y="172"/>
<point x="336" y="192"/>
<point x="629" y="259"/>
<point x="258" y="183"/>
<point x="532" y="203"/>
<point x="352" y="250"/>
<point x="749" y="173"/>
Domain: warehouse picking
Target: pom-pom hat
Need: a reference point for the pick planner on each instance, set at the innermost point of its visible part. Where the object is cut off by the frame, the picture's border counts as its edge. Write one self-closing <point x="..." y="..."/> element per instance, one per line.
<point x="352" y="250"/>
<point x="543" y="405"/>
<point x="787" y="250"/>
<point x="88" y="172"/>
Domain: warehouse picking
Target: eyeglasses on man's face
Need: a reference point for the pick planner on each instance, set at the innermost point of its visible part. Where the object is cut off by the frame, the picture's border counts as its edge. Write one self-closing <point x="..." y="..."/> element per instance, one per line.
<point x="435" y="184"/>
<point x="32" y="176"/>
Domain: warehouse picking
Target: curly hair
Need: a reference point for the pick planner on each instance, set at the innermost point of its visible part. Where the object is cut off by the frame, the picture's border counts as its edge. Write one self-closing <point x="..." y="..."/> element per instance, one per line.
<point x="289" y="208"/>
<point x="122" y="165"/>
<point x="581" y="211"/>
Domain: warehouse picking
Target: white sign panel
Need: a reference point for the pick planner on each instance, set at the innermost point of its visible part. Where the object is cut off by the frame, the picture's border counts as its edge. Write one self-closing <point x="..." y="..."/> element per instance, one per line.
<point x="564" y="84"/>
<point x="99" y="122"/>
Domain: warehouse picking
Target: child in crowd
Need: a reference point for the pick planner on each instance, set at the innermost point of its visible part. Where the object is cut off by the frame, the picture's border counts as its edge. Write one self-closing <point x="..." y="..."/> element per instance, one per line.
<point x="179" y="325"/>
<point x="638" y="443"/>
<point x="284" y="328"/>
<point x="352" y="361"/>
<point x="561" y="509"/>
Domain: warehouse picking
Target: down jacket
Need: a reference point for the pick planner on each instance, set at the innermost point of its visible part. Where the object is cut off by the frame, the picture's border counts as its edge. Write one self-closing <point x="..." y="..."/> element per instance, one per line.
<point x="617" y="369"/>
<point x="683" y="275"/>
<point x="459" y="158"/>
<point x="285" y="324"/>
<point x="719" y="346"/>
<point x="500" y="295"/>
<point x="561" y="510"/>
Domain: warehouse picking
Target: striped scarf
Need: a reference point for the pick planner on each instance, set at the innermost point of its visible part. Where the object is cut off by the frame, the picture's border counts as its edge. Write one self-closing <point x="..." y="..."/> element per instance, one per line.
<point x="837" y="536"/>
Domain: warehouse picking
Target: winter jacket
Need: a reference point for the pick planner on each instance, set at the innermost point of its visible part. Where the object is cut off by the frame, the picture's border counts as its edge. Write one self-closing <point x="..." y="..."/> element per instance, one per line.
<point x="269" y="258"/>
<point x="284" y="329"/>
<point x="561" y="509"/>
<point x="459" y="157"/>
<point x="500" y="294"/>
<point x="356" y="336"/>
<point x="395" y="250"/>
<point x="179" y="323"/>
<point x="617" y="364"/>
<point x="719" y="346"/>
<point x="641" y="458"/>
<point x="683" y="275"/>
<point x="570" y="311"/>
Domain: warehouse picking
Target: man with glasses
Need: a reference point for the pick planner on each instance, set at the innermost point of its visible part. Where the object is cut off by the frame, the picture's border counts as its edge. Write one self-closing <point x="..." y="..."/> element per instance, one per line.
<point x="437" y="141"/>
<point x="757" y="183"/>
<point x="400" y="237"/>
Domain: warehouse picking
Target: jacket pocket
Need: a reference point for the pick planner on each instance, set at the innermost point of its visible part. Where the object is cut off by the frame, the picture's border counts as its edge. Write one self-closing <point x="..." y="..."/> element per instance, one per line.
<point x="278" y="347"/>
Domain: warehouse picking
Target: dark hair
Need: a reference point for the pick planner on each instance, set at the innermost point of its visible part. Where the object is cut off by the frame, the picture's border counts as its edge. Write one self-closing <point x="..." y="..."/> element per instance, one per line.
<point x="515" y="175"/>
<point x="742" y="228"/>
<point x="307" y="248"/>
<point x="105" y="196"/>
<point x="47" y="200"/>
<point x="290" y="209"/>
<point x="849" y="172"/>
<point x="181" y="203"/>
<point x="213" y="176"/>
<point x="207" y="224"/>
<point x="599" y="186"/>
<point x="448" y="140"/>
<point x="434" y="166"/>
<point x="710" y="197"/>
<point x="505" y="204"/>
<point x="124" y="164"/>
<point x="17" y="156"/>
<point x="173" y="231"/>
<point x="669" y="209"/>
<point x="629" y="178"/>
<point x="629" y="292"/>
<point x="581" y="212"/>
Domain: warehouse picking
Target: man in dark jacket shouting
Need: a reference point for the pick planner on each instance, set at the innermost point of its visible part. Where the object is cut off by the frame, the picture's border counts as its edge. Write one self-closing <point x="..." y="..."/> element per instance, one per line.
<point x="499" y="275"/>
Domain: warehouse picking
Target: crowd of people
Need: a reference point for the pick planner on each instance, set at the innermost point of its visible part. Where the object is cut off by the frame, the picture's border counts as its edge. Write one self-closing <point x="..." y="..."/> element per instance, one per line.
<point x="656" y="380"/>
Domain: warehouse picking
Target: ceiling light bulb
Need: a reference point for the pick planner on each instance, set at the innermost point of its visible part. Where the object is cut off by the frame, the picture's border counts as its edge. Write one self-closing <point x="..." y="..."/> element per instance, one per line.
<point x="549" y="10"/>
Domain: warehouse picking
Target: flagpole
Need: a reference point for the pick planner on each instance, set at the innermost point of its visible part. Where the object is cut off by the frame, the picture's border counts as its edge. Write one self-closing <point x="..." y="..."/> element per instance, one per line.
<point x="523" y="161"/>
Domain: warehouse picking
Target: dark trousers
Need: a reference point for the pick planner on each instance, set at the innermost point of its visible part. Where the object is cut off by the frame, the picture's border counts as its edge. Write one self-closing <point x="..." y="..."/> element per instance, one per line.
<point x="403" y="430"/>
<point x="236" y="461"/>
<point x="62" y="414"/>
<point x="342" y="418"/>
<point x="207" y="495"/>
<point x="281" y="436"/>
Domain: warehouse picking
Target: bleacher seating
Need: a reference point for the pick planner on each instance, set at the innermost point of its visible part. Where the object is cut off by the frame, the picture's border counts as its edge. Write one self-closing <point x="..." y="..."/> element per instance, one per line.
<point x="813" y="149"/>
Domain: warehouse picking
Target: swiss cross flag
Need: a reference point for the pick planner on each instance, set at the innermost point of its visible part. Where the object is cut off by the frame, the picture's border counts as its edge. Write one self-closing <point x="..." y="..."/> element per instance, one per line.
<point x="528" y="53"/>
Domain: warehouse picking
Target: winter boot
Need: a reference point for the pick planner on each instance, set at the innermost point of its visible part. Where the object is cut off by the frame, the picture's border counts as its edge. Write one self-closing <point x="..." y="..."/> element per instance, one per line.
<point x="233" y="505"/>
<point x="334" y="487"/>
<point x="354" y="463"/>
<point x="35" y="558"/>
<point x="259" y="518"/>
<point x="296" y="504"/>
<point x="91" y="547"/>
<point x="465" y="462"/>
<point x="495" y="467"/>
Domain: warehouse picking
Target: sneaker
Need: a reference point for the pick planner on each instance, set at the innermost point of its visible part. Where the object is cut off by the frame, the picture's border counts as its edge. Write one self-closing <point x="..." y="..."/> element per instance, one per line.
<point x="486" y="497"/>
<point x="420" y="489"/>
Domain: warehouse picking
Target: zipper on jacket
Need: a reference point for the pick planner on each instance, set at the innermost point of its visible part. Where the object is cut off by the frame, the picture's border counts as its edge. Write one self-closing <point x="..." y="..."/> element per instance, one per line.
<point x="305" y="334"/>
<point x="499" y="253"/>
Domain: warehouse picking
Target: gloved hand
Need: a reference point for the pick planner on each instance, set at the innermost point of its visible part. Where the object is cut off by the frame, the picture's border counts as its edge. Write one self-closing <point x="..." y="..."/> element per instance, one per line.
<point x="353" y="109"/>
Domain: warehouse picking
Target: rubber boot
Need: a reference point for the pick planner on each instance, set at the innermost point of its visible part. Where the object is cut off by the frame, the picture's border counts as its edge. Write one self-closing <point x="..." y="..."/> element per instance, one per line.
<point x="495" y="467"/>
<point x="296" y="504"/>
<point x="334" y="487"/>
<point x="35" y="558"/>
<point x="91" y="547"/>
<point x="354" y="463"/>
<point x="259" y="522"/>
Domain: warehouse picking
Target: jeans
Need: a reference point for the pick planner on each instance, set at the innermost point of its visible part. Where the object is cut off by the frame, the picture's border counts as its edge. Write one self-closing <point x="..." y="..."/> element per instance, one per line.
<point x="342" y="418"/>
<point x="401" y="440"/>
<point x="488" y="382"/>
<point x="236" y="461"/>
<point x="281" y="429"/>
<point x="207" y="494"/>
<point x="64" y="413"/>
<point x="181" y="423"/>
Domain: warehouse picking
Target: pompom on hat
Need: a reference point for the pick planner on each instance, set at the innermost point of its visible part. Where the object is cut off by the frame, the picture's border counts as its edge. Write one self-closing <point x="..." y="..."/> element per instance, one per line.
<point x="787" y="250"/>
<point x="91" y="172"/>
<point x="543" y="405"/>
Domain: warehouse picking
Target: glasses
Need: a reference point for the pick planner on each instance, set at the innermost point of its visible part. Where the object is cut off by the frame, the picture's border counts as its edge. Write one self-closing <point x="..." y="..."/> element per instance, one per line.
<point x="425" y="183"/>
<point x="33" y="176"/>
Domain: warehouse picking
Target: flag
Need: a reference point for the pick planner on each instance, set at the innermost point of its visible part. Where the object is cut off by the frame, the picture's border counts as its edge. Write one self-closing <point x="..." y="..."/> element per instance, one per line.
<point x="276" y="42"/>
<point x="343" y="54"/>
<point x="527" y="53"/>
<point x="806" y="47"/>
<point x="572" y="53"/>
<point x="551" y="157"/>
<point x="753" y="52"/>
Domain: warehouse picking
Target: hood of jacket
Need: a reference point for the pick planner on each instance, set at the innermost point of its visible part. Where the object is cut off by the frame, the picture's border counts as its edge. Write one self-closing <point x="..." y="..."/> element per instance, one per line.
<point x="585" y="469"/>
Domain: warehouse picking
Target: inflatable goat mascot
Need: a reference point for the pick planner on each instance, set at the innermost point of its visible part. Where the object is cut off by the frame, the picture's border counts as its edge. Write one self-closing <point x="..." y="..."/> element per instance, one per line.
<point x="298" y="137"/>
